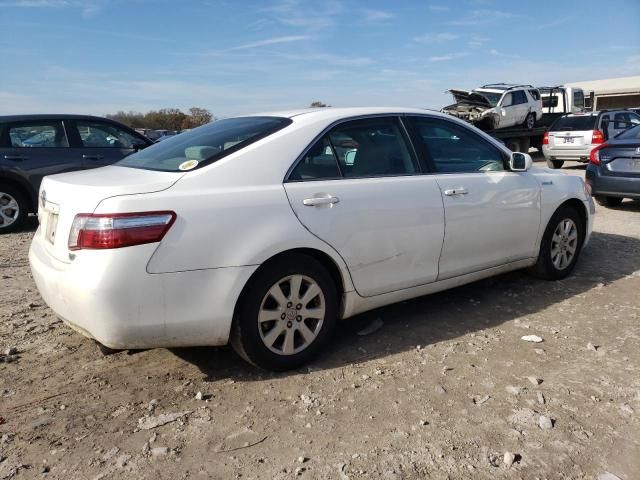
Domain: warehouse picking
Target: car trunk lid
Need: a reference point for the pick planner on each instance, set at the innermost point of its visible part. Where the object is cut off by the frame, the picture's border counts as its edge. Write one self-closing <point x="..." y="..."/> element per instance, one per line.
<point x="621" y="160"/>
<point x="63" y="196"/>
<point x="570" y="139"/>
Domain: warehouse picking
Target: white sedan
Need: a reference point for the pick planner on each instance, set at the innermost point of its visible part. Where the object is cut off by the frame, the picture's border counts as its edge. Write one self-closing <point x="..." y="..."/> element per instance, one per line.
<point x="265" y="230"/>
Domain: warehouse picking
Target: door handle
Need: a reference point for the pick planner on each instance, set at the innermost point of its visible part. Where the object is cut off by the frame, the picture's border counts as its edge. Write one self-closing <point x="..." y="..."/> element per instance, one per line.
<point x="455" y="191"/>
<point x="15" y="157"/>
<point x="92" y="157"/>
<point x="312" y="202"/>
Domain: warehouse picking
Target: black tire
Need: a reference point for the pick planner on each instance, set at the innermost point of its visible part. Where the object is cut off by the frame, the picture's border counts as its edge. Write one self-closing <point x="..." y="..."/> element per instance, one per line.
<point x="609" y="201"/>
<point x="544" y="267"/>
<point x="7" y="192"/>
<point x="530" y="121"/>
<point x="246" y="334"/>
<point x="555" y="163"/>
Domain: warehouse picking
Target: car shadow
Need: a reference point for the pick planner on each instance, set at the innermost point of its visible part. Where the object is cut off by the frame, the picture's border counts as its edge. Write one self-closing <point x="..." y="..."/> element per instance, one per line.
<point x="442" y="316"/>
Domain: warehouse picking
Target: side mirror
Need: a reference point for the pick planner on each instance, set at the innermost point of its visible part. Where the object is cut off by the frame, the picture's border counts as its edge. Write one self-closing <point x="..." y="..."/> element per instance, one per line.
<point x="520" y="162"/>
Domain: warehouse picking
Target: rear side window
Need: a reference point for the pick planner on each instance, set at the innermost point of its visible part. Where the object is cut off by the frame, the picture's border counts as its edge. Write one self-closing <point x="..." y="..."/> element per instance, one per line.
<point x="574" y="123"/>
<point x="40" y="134"/>
<point x="204" y="145"/>
<point x="105" y="135"/>
<point x="365" y="148"/>
<point x="624" y="120"/>
<point x="519" y="97"/>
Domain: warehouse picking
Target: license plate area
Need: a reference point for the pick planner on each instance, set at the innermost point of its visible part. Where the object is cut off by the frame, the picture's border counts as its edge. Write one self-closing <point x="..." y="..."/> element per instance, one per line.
<point x="567" y="140"/>
<point x="50" y="215"/>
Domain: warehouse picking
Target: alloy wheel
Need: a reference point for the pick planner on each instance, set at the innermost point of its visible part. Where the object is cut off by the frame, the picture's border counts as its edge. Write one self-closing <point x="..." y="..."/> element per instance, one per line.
<point x="564" y="243"/>
<point x="291" y="314"/>
<point x="9" y="210"/>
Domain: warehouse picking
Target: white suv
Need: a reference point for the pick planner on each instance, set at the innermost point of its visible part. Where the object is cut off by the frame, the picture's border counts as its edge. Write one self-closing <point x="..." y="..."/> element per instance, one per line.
<point x="498" y="105"/>
<point x="573" y="136"/>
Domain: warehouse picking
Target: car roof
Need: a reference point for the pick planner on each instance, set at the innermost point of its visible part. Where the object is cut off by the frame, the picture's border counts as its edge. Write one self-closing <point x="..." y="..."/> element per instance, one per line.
<point x="49" y="116"/>
<point x="338" y="113"/>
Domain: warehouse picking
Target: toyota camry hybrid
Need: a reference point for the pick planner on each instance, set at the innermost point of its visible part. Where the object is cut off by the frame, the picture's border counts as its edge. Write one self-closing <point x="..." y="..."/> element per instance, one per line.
<point x="265" y="231"/>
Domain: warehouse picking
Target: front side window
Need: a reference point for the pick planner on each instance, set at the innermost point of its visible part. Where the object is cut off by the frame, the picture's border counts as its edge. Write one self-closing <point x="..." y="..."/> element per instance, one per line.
<point x="622" y="121"/>
<point x="507" y="100"/>
<point x="38" y="135"/>
<point x="105" y="135"/>
<point x="455" y="149"/>
<point x="204" y="145"/>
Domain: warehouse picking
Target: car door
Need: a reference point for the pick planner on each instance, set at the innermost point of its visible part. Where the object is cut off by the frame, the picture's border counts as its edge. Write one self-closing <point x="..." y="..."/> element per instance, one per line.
<point x="492" y="215"/>
<point x="36" y="148"/>
<point x="98" y="143"/>
<point x="359" y="189"/>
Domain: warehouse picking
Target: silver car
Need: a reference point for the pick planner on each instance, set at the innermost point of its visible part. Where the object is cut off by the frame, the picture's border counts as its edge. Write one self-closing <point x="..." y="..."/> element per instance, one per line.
<point x="573" y="136"/>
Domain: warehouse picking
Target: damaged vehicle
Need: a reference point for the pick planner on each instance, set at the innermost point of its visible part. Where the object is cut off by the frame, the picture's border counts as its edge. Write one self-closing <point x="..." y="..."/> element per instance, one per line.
<point x="496" y="106"/>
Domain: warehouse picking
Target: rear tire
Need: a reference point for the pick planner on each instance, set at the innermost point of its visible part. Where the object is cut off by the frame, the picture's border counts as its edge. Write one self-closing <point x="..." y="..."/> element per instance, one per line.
<point x="609" y="201"/>
<point x="530" y="121"/>
<point x="14" y="208"/>
<point x="561" y="245"/>
<point x="555" y="164"/>
<point x="277" y="325"/>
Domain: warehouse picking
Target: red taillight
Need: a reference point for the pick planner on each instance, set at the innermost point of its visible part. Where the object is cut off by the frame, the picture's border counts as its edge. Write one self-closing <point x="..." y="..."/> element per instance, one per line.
<point x="597" y="137"/>
<point x="545" y="139"/>
<point x="594" y="156"/>
<point x="117" y="230"/>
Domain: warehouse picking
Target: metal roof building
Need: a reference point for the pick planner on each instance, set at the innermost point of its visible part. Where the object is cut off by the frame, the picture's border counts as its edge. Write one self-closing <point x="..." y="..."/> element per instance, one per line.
<point x="623" y="92"/>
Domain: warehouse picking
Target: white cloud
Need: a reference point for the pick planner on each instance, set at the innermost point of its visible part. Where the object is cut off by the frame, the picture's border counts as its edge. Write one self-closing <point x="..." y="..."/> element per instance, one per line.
<point x="294" y="13"/>
<point x="272" y="41"/>
<point x="450" y="56"/>
<point x="436" y="37"/>
<point x="372" y="16"/>
<point x="88" y="8"/>
<point x="438" y="8"/>
<point x="479" y="17"/>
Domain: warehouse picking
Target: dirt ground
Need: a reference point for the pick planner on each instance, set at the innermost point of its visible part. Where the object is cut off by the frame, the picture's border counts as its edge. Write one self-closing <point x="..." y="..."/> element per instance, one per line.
<point x="441" y="391"/>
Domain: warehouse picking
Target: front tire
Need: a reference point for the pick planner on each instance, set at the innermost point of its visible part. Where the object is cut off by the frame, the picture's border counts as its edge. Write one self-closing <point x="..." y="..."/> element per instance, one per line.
<point x="609" y="201"/>
<point x="13" y="208"/>
<point x="561" y="245"/>
<point x="286" y="314"/>
<point x="555" y="164"/>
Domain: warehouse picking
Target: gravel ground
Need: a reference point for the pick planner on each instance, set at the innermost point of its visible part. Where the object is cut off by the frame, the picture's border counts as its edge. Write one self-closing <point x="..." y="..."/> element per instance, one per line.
<point x="446" y="389"/>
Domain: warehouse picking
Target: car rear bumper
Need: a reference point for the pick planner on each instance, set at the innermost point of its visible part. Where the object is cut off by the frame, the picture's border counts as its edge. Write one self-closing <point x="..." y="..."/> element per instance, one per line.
<point x="612" y="186"/>
<point x="576" y="154"/>
<point x="108" y="295"/>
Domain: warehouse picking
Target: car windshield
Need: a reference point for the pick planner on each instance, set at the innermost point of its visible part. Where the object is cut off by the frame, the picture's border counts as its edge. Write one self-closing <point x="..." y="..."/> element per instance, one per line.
<point x="492" y="97"/>
<point x="204" y="145"/>
<point x="631" y="134"/>
<point x="574" y="123"/>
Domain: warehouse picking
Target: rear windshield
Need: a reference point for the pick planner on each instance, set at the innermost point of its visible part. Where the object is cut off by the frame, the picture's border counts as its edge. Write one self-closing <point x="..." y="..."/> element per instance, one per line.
<point x="632" y="134"/>
<point x="204" y="145"/>
<point x="577" y="123"/>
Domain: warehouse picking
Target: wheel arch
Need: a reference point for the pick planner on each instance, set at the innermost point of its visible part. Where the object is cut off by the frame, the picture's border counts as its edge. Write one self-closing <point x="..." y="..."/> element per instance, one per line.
<point x="23" y="186"/>
<point x="581" y="208"/>
<point x="321" y="257"/>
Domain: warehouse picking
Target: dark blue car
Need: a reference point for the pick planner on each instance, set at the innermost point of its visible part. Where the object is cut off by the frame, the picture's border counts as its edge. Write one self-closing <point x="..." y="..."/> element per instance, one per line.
<point x="613" y="172"/>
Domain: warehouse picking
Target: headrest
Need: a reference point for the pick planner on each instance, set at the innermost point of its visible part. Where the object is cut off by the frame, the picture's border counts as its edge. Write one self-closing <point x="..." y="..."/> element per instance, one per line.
<point x="200" y="153"/>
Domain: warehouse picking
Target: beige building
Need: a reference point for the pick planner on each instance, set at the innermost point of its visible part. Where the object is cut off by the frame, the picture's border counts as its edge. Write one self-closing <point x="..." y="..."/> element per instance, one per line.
<point x="623" y="92"/>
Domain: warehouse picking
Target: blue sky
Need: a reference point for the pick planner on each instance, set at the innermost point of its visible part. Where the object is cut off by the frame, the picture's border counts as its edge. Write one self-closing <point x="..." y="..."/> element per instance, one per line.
<point x="234" y="57"/>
